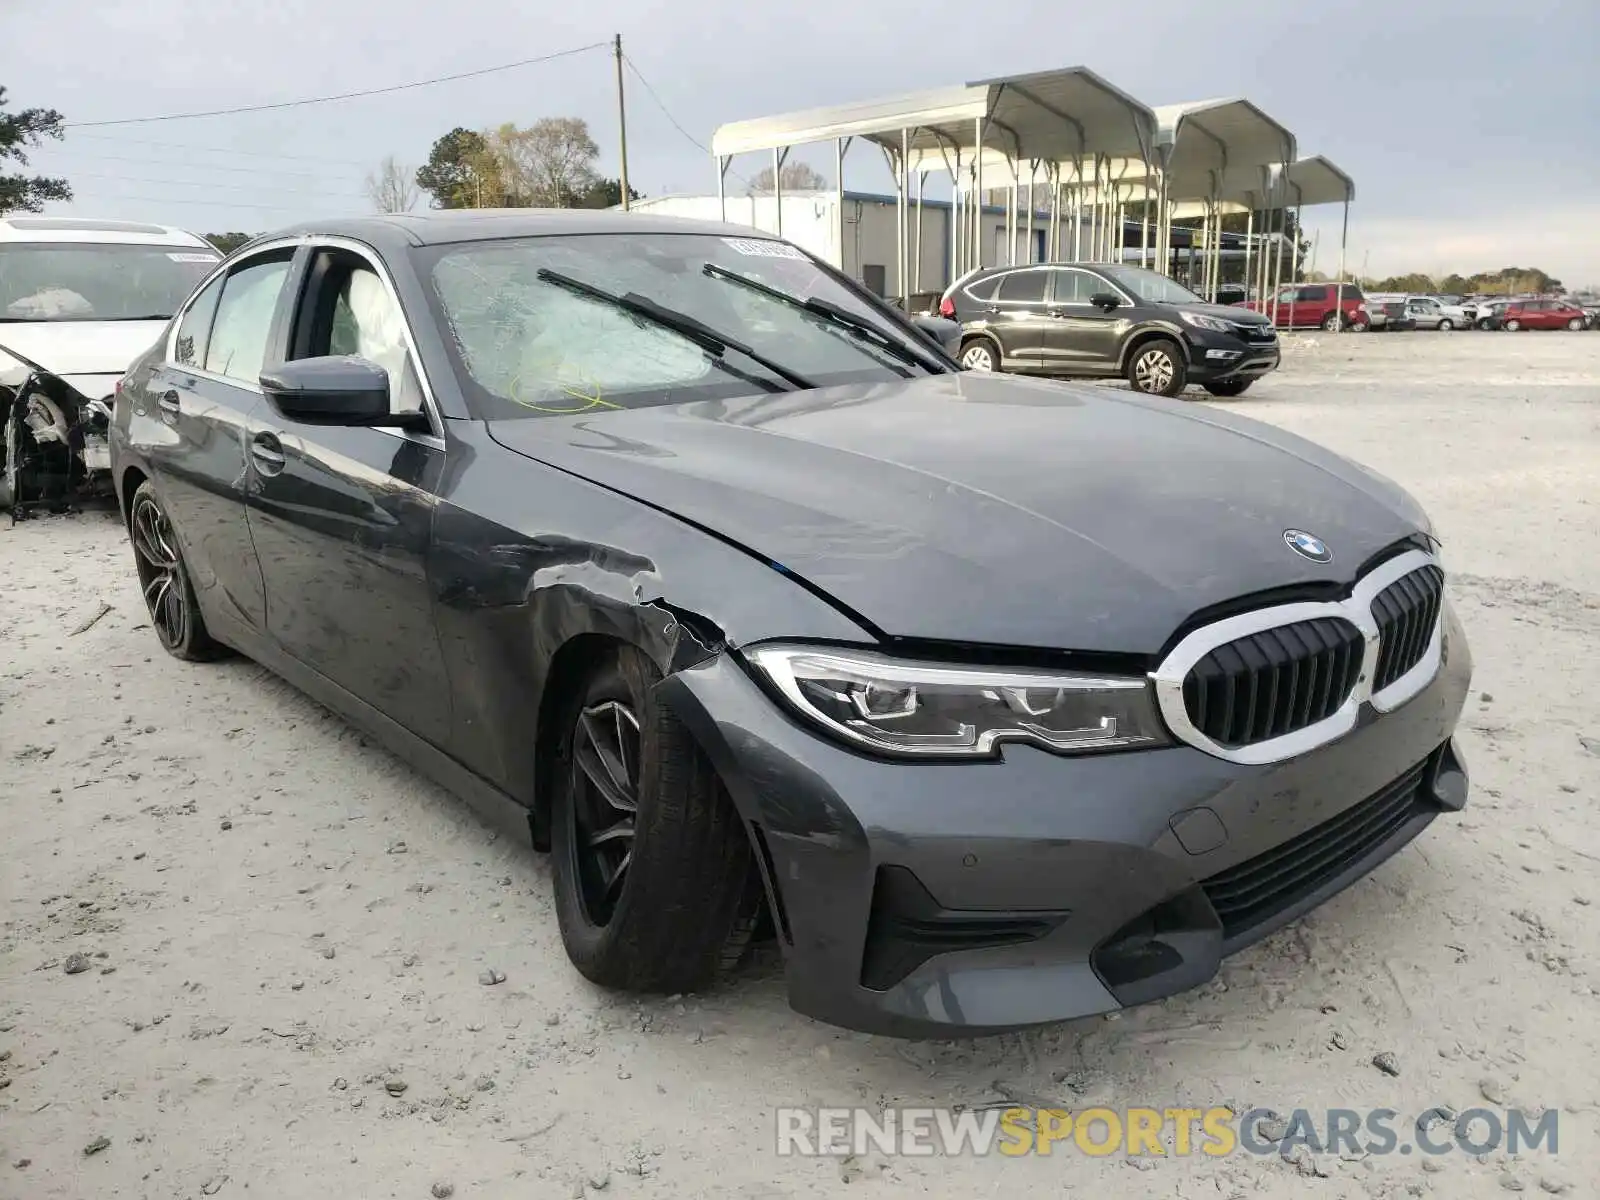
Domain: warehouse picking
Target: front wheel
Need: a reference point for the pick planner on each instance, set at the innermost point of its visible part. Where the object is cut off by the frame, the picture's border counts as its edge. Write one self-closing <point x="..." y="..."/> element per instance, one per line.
<point x="1575" y="324"/>
<point x="1158" y="368"/>
<point x="1228" y="387"/>
<point x="164" y="580"/>
<point x="655" y="885"/>
<point x="1513" y="325"/>
<point x="1446" y="325"/>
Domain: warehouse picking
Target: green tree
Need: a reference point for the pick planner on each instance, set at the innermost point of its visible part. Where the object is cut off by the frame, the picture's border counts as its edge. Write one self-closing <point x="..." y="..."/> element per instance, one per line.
<point x="453" y="174"/>
<point x="549" y="164"/>
<point x="229" y="242"/>
<point x="607" y="193"/>
<point x="1414" y="282"/>
<point x="27" y="193"/>
<point x="1455" y="285"/>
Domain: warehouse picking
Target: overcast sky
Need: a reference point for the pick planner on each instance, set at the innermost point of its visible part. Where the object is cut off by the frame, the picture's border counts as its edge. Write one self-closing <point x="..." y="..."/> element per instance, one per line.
<point x="1469" y="126"/>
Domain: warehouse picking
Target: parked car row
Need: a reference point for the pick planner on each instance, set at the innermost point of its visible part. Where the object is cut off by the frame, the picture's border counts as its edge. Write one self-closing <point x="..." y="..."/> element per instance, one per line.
<point x="1316" y="306"/>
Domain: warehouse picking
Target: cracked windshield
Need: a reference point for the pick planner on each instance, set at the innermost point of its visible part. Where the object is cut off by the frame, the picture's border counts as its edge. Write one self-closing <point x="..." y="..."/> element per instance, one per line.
<point x="563" y="325"/>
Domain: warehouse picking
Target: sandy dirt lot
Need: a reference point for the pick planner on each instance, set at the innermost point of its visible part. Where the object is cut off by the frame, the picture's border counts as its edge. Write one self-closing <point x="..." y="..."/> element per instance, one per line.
<point x="285" y="929"/>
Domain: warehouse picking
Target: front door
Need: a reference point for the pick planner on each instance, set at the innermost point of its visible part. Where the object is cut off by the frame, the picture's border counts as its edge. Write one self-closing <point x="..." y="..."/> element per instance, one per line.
<point x="342" y="517"/>
<point x="1080" y="339"/>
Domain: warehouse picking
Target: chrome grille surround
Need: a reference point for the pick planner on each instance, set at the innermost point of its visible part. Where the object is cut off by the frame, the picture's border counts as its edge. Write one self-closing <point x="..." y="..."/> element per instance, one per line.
<point x="1357" y="609"/>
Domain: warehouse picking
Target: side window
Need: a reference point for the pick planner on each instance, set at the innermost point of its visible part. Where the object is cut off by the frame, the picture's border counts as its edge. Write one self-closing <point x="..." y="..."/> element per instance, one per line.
<point x="984" y="288"/>
<point x="1074" y="287"/>
<point x="1288" y="295"/>
<point x="1024" y="287"/>
<point x="194" y="331"/>
<point x="238" y="344"/>
<point x="1313" y="293"/>
<point x="354" y="314"/>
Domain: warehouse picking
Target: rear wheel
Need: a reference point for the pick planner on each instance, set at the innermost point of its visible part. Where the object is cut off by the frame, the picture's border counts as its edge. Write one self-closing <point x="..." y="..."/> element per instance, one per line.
<point x="655" y="885"/>
<point x="1513" y="325"/>
<point x="980" y="354"/>
<point x="1330" y="322"/>
<point x="1158" y="368"/>
<point x="1446" y="325"/>
<point x="164" y="580"/>
<point x="1228" y="387"/>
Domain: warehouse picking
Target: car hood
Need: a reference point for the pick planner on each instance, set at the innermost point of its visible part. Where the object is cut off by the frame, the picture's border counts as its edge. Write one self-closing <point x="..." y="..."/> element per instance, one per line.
<point x="69" y="348"/>
<point x="989" y="509"/>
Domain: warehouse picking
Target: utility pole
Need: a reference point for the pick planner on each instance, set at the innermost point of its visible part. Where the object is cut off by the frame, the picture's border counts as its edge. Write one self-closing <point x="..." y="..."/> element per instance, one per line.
<point x="622" y="121"/>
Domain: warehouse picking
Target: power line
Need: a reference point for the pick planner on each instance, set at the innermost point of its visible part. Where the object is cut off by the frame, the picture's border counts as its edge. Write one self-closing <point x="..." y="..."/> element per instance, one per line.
<point x="208" y="186"/>
<point x="296" y="208"/>
<point x="667" y="112"/>
<point x="199" y="166"/>
<point x="122" y="141"/>
<point x="383" y="91"/>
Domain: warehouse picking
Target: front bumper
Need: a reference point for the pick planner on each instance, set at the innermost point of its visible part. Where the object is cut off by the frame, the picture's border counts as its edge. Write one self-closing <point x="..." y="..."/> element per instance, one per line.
<point x="1214" y="357"/>
<point x="929" y="900"/>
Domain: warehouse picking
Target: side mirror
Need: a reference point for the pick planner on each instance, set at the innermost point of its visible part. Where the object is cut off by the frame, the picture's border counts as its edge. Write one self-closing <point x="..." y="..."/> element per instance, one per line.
<point x="1105" y="300"/>
<point x="333" y="390"/>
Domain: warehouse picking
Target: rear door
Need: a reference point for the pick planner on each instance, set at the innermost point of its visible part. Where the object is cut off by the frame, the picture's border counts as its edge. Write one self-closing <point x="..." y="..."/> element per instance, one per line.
<point x="1016" y="316"/>
<point x="201" y="399"/>
<point x="342" y="517"/>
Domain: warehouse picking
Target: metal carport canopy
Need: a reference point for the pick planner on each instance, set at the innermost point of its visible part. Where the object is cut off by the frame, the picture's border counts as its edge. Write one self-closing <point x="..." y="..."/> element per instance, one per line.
<point x="1316" y="180"/>
<point x="1049" y="115"/>
<point x="1202" y="141"/>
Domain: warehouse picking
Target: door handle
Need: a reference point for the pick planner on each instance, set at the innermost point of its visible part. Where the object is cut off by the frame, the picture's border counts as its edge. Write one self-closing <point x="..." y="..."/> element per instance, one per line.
<point x="267" y="454"/>
<point x="167" y="402"/>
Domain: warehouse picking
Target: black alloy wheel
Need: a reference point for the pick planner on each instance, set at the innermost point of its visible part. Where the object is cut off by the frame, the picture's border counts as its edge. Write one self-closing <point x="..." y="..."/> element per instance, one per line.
<point x="605" y="792"/>
<point x="164" y="581"/>
<point x="656" y="886"/>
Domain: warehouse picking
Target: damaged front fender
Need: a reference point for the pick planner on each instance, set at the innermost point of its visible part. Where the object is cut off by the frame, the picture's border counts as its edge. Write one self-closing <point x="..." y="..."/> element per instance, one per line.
<point x="53" y="440"/>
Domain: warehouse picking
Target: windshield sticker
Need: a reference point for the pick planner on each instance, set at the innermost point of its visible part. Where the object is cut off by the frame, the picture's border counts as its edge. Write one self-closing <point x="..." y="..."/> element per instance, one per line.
<point x="762" y="248"/>
<point x="195" y="258"/>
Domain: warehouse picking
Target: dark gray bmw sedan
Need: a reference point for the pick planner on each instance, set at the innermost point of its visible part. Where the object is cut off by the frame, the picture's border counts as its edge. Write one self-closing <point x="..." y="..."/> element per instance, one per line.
<point x="994" y="701"/>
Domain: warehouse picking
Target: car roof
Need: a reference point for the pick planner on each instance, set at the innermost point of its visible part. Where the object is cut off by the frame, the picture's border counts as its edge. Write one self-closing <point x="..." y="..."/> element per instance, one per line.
<point x="445" y="226"/>
<point x="81" y="229"/>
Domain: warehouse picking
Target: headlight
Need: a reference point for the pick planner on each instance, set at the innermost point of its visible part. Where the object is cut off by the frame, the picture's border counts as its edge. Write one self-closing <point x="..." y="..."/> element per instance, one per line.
<point x="1201" y="321"/>
<point x="917" y="710"/>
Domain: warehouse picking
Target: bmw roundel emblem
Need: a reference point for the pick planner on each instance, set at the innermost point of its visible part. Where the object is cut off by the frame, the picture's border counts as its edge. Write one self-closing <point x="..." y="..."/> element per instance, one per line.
<point x="1308" y="545"/>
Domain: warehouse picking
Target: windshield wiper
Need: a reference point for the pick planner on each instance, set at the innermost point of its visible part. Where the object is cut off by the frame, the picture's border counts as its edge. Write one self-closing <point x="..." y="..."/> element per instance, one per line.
<point x="832" y="314"/>
<point x="708" y="339"/>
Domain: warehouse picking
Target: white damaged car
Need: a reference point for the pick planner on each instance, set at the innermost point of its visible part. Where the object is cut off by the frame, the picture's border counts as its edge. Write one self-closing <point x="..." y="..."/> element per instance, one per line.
<point x="79" y="301"/>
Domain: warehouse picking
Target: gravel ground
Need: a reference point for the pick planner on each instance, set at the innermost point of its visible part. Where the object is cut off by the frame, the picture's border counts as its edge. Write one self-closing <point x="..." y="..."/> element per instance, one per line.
<point x="284" y="930"/>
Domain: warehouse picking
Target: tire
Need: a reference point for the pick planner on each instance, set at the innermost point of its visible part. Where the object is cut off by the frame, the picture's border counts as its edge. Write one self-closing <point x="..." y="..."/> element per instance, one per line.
<point x="1446" y="325"/>
<point x="1359" y="325"/>
<point x="1575" y="324"/>
<point x="1228" y="387"/>
<point x="1158" y="368"/>
<point x="1330" y="323"/>
<point x="1513" y="325"/>
<point x="980" y="354"/>
<point x="164" y="580"/>
<point x="662" y="897"/>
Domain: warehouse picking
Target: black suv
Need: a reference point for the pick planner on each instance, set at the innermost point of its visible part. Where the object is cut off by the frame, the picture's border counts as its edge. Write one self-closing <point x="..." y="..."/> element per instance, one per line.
<point x="1104" y="321"/>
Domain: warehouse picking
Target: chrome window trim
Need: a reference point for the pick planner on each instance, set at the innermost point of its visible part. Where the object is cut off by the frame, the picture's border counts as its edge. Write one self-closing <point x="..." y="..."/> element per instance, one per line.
<point x="226" y="266"/>
<point x="1356" y="609"/>
<point x="430" y="406"/>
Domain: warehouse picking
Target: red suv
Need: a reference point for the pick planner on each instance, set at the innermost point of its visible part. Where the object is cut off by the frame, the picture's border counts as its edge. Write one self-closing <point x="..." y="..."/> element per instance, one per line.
<point x="1543" y="314"/>
<point x="1313" y="306"/>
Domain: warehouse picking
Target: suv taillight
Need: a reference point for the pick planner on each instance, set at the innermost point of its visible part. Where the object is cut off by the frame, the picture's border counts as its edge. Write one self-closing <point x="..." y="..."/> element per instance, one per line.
<point x="947" y="308"/>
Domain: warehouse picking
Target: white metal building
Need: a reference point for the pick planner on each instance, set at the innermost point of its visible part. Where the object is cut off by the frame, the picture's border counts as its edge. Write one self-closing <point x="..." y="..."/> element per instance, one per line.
<point x="869" y="228"/>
